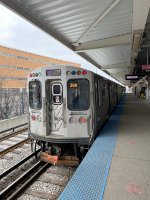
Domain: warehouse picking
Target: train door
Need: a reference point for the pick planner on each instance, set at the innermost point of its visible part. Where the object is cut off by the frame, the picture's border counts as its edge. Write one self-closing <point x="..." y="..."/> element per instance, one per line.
<point x="79" y="110"/>
<point x="54" y="105"/>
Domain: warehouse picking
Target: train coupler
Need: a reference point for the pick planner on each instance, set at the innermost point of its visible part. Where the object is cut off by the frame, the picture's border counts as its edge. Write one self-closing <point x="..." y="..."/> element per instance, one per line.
<point x="60" y="160"/>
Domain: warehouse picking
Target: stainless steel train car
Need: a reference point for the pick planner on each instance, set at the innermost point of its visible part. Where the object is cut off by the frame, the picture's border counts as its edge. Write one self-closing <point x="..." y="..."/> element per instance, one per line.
<point x="67" y="108"/>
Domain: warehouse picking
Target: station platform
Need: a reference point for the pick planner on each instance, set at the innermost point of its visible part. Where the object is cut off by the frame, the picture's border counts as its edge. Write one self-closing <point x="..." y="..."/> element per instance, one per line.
<point x="117" y="166"/>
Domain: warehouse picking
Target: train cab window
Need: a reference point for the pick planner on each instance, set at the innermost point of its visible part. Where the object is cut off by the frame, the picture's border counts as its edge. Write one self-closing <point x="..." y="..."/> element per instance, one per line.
<point x="56" y="89"/>
<point x="35" y="101"/>
<point x="57" y="93"/>
<point x="78" y="94"/>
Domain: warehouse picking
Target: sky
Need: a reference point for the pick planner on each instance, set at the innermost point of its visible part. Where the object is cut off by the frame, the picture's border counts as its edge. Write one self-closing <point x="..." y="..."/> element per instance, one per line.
<point x="17" y="33"/>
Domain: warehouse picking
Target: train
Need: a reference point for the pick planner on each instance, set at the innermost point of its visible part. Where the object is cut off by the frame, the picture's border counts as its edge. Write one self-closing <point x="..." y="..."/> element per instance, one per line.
<point x="67" y="108"/>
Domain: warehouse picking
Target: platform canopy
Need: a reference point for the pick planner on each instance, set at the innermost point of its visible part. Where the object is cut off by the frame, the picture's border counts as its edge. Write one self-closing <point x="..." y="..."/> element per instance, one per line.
<point x="101" y="31"/>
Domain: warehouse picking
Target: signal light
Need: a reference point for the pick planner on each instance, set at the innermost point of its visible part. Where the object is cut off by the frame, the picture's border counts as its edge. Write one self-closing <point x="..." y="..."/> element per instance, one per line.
<point x="68" y="72"/>
<point x="79" y="72"/>
<point x="73" y="72"/>
<point x="82" y="120"/>
<point x="84" y="72"/>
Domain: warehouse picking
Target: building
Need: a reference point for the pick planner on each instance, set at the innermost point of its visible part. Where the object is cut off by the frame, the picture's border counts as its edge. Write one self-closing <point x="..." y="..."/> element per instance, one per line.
<point x="16" y="64"/>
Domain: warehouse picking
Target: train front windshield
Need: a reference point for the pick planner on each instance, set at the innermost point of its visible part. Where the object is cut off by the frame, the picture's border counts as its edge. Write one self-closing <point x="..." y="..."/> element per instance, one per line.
<point x="35" y="95"/>
<point x="78" y="94"/>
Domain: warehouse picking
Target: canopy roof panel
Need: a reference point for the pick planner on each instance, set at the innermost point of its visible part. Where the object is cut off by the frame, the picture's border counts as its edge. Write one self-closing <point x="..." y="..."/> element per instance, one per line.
<point x="98" y="30"/>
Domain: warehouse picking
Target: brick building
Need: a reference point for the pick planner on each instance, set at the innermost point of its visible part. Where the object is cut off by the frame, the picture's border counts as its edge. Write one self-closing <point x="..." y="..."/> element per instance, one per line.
<point x="15" y="65"/>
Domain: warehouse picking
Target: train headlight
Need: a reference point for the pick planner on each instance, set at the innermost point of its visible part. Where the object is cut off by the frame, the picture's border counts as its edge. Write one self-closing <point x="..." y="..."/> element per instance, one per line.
<point x="39" y="119"/>
<point x="82" y="120"/>
<point x="73" y="72"/>
<point x="73" y="120"/>
<point x="68" y="72"/>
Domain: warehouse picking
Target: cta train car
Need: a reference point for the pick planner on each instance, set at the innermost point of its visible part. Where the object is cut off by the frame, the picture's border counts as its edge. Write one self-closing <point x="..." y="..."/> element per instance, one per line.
<point x="67" y="108"/>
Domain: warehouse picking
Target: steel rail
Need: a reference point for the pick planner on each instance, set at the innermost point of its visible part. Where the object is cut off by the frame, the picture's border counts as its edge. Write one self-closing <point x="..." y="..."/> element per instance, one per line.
<point x="25" y="180"/>
<point x="8" y="171"/>
<point x="3" y="152"/>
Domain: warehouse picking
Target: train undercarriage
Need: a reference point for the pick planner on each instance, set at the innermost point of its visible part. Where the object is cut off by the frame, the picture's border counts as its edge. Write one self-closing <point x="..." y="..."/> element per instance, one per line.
<point x="60" y="154"/>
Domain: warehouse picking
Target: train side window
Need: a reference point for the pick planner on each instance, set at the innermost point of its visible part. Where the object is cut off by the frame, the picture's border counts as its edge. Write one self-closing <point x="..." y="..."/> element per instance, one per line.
<point x="103" y="93"/>
<point x="98" y="93"/>
<point x="78" y="92"/>
<point x="35" y="100"/>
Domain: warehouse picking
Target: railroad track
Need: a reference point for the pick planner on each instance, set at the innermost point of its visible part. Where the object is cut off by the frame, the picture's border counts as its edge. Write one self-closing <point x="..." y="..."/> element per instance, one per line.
<point x="12" y="147"/>
<point x="11" y="141"/>
<point x="19" y="185"/>
<point x="33" y="182"/>
<point x="14" y="167"/>
<point x="41" y="181"/>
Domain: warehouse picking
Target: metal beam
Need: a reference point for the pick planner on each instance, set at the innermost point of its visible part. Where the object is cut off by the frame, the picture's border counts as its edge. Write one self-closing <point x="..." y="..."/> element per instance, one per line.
<point x="85" y="56"/>
<point x="98" y="19"/>
<point x="118" y="65"/>
<point x="103" y="43"/>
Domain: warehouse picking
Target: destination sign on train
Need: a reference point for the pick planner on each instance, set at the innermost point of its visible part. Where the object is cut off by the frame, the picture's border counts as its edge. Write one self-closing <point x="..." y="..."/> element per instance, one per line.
<point x="53" y="72"/>
<point x="73" y="85"/>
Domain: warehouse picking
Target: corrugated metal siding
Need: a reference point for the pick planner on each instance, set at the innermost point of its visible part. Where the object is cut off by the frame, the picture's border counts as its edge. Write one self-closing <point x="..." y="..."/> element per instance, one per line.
<point x="111" y="55"/>
<point x="69" y="19"/>
<point x="117" y="22"/>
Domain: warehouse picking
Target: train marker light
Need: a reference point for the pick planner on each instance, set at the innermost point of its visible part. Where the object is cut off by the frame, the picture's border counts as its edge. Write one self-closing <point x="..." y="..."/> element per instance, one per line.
<point x="79" y="72"/>
<point x="39" y="119"/>
<point x="30" y="75"/>
<point x="73" y="72"/>
<point x="73" y="120"/>
<point x="33" y="117"/>
<point x="84" y="72"/>
<point x="68" y="72"/>
<point x="82" y="120"/>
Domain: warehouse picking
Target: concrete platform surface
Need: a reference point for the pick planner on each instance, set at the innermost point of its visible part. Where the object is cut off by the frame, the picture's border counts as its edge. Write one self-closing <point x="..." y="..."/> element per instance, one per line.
<point x="129" y="174"/>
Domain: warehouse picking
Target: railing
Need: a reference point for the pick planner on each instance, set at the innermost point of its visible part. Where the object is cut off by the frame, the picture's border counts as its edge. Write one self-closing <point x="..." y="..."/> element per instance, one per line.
<point x="13" y="123"/>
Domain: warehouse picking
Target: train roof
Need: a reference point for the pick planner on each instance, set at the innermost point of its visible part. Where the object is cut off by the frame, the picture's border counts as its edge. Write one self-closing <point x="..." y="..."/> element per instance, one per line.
<point x="96" y="71"/>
